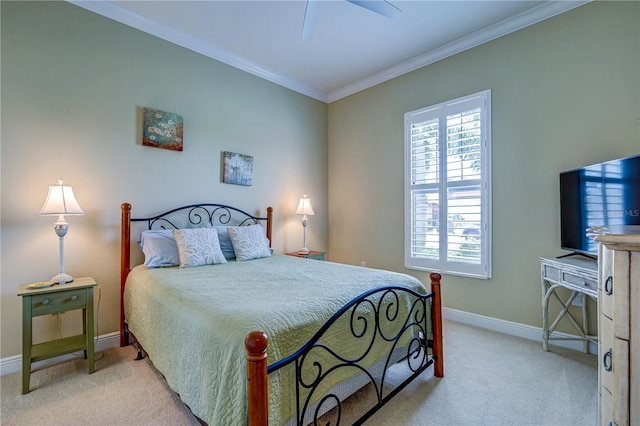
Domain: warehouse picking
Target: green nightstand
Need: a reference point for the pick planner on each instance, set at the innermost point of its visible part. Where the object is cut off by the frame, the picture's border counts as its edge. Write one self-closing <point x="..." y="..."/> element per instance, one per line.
<point x="58" y="298"/>
<point x="317" y="255"/>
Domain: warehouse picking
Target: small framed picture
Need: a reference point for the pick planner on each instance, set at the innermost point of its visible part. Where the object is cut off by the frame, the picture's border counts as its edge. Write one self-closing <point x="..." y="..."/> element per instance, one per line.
<point x="237" y="168"/>
<point x="162" y="129"/>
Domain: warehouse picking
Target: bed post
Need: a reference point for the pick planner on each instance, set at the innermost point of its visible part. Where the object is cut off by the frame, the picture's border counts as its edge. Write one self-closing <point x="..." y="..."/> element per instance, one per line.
<point x="125" y="262"/>
<point x="256" y="346"/>
<point x="269" y="223"/>
<point x="436" y="315"/>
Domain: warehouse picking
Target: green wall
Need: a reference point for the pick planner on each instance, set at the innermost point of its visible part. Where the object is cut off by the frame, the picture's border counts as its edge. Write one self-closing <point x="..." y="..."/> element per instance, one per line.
<point x="565" y="93"/>
<point x="72" y="86"/>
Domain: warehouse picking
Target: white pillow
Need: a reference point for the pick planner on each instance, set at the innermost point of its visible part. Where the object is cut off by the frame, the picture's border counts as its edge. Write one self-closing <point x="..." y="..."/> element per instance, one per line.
<point x="249" y="242"/>
<point x="198" y="246"/>
<point x="159" y="248"/>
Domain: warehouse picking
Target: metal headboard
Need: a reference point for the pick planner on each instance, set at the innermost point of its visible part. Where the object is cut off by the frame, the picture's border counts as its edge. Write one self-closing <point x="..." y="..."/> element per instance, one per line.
<point x="201" y="215"/>
<point x="196" y="215"/>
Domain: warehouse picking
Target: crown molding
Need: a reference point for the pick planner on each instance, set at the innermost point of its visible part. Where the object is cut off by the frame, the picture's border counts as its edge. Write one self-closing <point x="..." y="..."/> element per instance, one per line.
<point x="124" y="16"/>
<point x="515" y="23"/>
<point x="117" y="13"/>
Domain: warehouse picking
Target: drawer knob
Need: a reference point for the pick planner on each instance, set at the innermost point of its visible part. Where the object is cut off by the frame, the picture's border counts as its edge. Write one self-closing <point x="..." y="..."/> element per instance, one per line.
<point x="607" y="360"/>
<point x="608" y="285"/>
<point x="46" y="301"/>
<point x="74" y="297"/>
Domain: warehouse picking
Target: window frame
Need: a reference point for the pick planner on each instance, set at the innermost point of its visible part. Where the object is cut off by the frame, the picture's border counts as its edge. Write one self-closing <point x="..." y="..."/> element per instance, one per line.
<point x="482" y="270"/>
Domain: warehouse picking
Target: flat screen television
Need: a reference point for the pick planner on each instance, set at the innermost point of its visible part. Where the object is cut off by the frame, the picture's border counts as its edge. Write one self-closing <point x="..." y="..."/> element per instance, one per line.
<point x="603" y="194"/>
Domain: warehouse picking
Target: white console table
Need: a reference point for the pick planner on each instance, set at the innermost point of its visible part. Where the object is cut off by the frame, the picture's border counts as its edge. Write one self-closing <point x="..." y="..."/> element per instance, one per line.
<point x="579" y="275"/>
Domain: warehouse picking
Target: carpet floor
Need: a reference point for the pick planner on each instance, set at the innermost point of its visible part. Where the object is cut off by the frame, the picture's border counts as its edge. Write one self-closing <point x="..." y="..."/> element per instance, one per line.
<point x="490" y="379"/>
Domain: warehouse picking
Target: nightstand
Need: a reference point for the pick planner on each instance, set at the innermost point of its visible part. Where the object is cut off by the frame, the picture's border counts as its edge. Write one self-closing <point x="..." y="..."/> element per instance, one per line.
<point x="58" y="298"/>
<point x="317" y="255"/>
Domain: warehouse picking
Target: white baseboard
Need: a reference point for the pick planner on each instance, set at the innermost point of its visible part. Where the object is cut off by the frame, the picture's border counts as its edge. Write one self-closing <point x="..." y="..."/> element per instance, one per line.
<point x="515" y="329"/>
<point x="13" y="364"/>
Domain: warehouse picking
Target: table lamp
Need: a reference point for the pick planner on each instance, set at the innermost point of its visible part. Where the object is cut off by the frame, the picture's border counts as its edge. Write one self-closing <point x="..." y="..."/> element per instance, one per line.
<point x="304" y="209"/>
<point x="61" y="201"/>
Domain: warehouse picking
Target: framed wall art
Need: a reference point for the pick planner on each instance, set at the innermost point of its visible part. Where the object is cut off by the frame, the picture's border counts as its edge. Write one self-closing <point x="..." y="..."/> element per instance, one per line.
<point x="237" y="168"/>
<point x="162" y="129"/>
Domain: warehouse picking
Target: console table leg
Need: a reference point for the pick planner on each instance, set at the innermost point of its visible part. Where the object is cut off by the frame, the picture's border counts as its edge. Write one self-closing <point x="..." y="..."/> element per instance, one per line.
<point x="545" y="320"/>
<point x="585" y="324"/>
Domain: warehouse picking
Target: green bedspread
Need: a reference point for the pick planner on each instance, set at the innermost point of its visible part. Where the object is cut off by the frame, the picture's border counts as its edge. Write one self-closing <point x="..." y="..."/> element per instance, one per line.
<point x="192" y="323"/>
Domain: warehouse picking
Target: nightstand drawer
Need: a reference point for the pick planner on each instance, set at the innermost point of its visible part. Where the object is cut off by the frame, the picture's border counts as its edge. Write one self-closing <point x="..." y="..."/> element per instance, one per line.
<point x="317" y="255"/>
<point x="43" y="304"/>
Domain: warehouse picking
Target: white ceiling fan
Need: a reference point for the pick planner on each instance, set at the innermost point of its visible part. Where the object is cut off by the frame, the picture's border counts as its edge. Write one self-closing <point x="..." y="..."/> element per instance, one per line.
<point x="381" y="7"/>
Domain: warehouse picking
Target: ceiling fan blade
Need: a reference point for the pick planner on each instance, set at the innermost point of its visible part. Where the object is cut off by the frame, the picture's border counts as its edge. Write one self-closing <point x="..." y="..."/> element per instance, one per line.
<point x="310" y="15"/>
<point x="381" y="7"/>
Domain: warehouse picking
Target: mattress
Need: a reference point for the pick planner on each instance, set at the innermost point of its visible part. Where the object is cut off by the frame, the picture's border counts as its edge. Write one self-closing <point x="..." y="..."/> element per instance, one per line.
<point x="192" y="323"/>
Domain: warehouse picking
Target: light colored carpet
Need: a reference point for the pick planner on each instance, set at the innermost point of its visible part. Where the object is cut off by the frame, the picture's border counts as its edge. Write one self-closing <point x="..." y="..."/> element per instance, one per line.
<point x="490" y="379"/>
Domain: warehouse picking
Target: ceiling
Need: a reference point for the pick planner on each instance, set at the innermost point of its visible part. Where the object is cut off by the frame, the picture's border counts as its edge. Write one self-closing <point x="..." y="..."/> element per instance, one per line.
<point x="348" y="48"/>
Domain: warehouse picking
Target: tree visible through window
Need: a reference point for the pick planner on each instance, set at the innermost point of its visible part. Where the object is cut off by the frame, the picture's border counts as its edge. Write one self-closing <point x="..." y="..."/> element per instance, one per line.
<point x="447" y="187"/>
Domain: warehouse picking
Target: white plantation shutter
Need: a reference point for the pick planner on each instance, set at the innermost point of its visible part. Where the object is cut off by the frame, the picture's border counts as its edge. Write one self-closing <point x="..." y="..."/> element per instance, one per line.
<point x="447" y="187"/>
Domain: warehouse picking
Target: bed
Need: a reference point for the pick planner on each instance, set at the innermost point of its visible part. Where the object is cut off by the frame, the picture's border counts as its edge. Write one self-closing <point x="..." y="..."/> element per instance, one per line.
<point x="255" y="337"/>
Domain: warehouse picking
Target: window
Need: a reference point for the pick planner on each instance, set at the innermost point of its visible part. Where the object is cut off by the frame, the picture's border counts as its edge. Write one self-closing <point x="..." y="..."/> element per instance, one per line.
<point x="447" y="187"/>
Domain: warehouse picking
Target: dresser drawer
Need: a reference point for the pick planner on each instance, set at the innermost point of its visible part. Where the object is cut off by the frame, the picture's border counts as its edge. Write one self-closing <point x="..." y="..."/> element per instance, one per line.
<point x="621" y="294"/>
<point x="48" y="303"/>
<point x="634" y="338"/>
<point x="620" y="391"/>
<point x="605" y="352"/>
<point x="606" y="408"/>
<point x="605" y="281"/>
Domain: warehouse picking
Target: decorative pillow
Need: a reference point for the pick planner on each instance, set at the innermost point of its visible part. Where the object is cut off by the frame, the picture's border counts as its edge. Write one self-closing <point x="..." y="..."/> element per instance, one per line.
<point x="159" y="248"/>
<point x="198" y="246"/>
<point x="225" y="242"/>
<point x="249" y="242"/>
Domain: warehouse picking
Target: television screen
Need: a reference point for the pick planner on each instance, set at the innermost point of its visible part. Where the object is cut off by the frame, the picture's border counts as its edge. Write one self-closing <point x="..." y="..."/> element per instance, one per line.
<point x="604" y="194"/>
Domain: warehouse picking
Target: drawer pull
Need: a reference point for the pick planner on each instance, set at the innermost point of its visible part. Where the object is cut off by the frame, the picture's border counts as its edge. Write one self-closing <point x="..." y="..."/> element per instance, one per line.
<point x="46" y="301"/>
<point x="608" y="285"/>
<point x="607" y="361"/>
<point x="74" y="297"/>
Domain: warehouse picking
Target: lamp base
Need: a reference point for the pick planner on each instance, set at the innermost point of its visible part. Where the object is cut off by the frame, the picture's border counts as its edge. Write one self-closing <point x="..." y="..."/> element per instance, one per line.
<point x="62" y="278"/>
<point x="304" y="251"/>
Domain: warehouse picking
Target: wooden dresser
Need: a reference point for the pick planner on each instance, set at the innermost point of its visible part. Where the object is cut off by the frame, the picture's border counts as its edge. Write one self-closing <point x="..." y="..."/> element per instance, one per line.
<point x="619" y="325"/>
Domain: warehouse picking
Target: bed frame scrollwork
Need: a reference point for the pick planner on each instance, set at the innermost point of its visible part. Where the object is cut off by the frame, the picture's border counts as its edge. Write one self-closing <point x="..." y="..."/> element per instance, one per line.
<point x="370" y="316"/>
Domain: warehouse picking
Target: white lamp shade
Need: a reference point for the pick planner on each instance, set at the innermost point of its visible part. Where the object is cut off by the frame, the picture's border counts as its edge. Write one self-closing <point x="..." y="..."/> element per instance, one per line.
<point x="304" y="207"/>
<point x="60" y="201"/>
